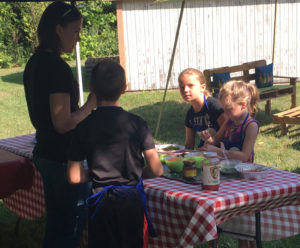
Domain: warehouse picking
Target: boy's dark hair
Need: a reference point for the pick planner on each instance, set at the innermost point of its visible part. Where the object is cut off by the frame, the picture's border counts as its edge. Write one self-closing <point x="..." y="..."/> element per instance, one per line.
<point x="56" y="13"/>
<point x="108" y="80"/>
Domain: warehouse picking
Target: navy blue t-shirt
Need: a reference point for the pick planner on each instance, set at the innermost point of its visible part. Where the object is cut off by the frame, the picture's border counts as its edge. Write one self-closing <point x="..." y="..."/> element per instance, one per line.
<point x="206" y="117"/>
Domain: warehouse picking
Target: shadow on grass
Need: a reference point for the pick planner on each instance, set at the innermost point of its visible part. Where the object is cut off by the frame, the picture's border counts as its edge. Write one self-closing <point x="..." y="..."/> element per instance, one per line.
<point x="294" y="133"/>
<point x="17" y="78"/>
<point x="30" y="233"/>
<point x="171" y="127"/>
<point x="295" y="145"/>
<point x="262" y="118"/>
<point x="297" y="170"/>
<point x="271" y="131"/>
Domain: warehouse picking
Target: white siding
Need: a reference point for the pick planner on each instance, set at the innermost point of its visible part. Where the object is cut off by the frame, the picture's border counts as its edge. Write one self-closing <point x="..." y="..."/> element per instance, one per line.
<point x="213" y="33"/>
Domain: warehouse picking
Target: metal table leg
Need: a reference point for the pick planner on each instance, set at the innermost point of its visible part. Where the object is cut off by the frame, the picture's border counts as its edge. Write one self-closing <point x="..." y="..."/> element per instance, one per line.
<point x="214" y="243"/>
<point x="257" y="236"/>
<point x="17" y="226"/>
<point x="258" y="230"/>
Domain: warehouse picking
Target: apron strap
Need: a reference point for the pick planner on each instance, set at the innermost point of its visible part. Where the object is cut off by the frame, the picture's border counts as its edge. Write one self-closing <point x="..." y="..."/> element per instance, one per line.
<point x="205" y="101"/>
<point x="140" y="189"/>
<point x="96" y="199"/>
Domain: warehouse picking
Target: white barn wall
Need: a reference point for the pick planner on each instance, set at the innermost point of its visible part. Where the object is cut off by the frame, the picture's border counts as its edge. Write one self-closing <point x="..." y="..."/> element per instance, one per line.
<point x="213" y="33"/>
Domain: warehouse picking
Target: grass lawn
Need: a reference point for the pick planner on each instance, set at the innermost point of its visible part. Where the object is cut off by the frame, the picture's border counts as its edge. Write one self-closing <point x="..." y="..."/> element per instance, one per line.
<point x="270" y="146"/>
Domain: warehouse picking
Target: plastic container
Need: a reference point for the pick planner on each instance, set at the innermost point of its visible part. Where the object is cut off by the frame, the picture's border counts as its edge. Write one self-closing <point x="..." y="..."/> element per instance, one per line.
<point x="175" y="164"/>
<point x="228" y="166"/>
<point x="211" y="173"/>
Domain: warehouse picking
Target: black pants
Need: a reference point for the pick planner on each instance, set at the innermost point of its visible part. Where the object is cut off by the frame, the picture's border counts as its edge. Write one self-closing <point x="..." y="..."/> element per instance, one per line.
<point x="119" y="221"/>
<point x="65" y="218"/>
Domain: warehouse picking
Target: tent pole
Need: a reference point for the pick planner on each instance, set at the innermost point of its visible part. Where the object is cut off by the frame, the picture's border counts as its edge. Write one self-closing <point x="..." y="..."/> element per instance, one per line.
<point x="170" y="66"/>
<point x="79" y="75"/>
<point x="274" y="31"/>
<point x="78" y="67"/>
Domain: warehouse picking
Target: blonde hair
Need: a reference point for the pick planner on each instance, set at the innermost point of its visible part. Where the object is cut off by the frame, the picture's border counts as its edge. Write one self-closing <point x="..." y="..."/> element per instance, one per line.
<point x="239" y="91"/>
<point x="199" y="76"/>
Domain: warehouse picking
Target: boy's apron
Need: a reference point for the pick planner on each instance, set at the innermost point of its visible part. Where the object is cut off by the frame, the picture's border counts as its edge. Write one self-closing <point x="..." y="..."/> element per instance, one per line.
<point x="96" y="199"/>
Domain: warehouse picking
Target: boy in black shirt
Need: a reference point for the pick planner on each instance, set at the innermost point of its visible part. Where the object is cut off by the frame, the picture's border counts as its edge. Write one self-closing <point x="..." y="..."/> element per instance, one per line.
<point x="115" y="143"/>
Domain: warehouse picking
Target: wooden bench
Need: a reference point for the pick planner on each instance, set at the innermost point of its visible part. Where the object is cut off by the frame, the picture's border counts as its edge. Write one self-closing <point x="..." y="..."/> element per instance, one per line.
<point x="246" y="72"/>
<point x="291" y="116"/>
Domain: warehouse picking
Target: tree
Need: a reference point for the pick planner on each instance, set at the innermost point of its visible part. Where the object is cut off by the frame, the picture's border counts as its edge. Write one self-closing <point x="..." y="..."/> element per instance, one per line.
<point x="19" y="22"/>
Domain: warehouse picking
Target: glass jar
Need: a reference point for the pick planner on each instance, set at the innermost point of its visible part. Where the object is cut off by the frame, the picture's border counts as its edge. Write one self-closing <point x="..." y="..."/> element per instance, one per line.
<point x="189" y="169"/>
<point x="211" y="173"/>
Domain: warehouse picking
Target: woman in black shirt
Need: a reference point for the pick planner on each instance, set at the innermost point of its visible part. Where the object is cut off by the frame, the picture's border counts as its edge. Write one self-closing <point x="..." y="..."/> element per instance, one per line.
<point x="52" y="95"/>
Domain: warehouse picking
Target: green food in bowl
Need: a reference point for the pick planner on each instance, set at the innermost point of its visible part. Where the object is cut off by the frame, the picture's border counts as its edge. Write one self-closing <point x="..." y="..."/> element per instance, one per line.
<point x="162" y="157"/>
<point x="171" y="148"/>
<point x="175" y="164"/>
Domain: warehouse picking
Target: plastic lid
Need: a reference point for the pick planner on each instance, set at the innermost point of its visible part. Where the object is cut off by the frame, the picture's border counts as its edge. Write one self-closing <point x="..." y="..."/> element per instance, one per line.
<point x="189" y="162"/>
<point x="210" y="154"/>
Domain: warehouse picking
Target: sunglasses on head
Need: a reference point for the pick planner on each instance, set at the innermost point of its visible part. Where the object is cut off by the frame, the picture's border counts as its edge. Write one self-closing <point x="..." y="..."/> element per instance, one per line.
<point x="67" y="12"/>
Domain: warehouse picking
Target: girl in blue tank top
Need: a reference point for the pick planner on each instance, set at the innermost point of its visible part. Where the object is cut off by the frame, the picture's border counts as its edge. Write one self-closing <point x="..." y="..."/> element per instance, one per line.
<point x="238" y="135"/>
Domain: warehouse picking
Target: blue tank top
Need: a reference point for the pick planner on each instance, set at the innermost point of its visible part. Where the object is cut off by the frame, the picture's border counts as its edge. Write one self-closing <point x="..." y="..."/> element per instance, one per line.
<point x="235" y="136"/>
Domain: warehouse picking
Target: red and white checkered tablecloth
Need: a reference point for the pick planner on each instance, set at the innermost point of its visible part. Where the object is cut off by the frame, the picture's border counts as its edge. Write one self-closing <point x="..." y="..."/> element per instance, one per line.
<point x="185" y="214"/>
<point x="20" y="145"/>
<point x="27" y="204"/>
<point x="275" y="224"/>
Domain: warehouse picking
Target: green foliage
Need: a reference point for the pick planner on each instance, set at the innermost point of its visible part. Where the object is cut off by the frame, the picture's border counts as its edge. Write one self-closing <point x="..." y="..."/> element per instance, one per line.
<point x="99" y="33"/>
<point x="19" y="21"/>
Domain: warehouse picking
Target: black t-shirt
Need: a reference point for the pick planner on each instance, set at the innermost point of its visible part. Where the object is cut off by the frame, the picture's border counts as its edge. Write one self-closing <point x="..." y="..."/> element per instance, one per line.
<point x="112" y="140"/>
<point x="46" y="73"/>
<point x="206" y="117"/>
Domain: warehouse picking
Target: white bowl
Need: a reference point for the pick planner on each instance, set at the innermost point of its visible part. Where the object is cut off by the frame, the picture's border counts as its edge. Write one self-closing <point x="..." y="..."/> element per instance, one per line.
<point x="252" y="171"/>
